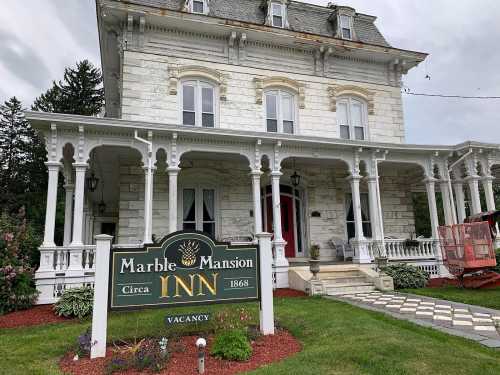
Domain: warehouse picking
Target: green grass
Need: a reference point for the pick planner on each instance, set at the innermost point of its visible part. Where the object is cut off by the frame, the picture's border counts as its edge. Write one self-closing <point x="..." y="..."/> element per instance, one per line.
<point x="337" y="338"/>
<point x="480" y="297"/>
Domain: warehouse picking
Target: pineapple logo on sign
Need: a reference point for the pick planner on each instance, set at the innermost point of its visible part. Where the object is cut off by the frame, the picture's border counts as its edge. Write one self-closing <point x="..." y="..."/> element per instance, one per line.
<point x="189" y="250"/>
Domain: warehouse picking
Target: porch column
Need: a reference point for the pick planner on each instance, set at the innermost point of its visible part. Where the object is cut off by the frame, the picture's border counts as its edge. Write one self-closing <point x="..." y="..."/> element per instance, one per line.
<point x="80" y="169"/>
<point x="445" y="193"/>
<point x="68" y="213"/>
<point x="359" y="242"/>
<point x="473" y="182"/>
<point x="148" y="204"/>
<point x="280" y="261"/>
<point x="458" y="186"/>
<point x="50" y="213"/>
<point x="173" y="173"/>
<point x="487" y="182"/>
<point x="257" y="210"/>
<point x="431" y="198"/>
<point x="375" y="207"/>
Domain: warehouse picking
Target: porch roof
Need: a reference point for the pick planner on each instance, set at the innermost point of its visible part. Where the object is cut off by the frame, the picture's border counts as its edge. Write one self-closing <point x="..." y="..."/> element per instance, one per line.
<point x="43" y="121"/>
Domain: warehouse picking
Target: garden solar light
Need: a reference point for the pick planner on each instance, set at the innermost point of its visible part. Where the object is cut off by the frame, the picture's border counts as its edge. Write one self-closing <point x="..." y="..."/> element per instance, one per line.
<point x="201" y="343"/>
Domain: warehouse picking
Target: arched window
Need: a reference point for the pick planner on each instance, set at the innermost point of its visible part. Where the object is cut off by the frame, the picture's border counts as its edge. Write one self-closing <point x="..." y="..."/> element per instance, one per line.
<point x="280" y="111"/>
<point x="198" y="103"/>
<point x="352" y="118"/>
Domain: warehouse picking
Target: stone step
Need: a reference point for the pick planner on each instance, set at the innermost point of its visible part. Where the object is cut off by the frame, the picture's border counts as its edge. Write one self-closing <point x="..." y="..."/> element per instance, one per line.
<point x="340" y="289"/>
<point x="344" y="279"/>
<point x="347" y="273"/>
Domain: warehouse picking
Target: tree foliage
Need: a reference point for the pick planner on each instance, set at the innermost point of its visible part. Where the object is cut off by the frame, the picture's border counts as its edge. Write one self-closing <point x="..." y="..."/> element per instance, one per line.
<point x="80" y="92"/>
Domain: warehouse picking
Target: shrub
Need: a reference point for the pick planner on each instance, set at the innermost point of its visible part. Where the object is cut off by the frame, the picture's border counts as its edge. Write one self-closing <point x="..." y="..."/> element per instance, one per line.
<point x="497" y="268"/>
<point x="76" y="302"/>
<point x="17" y="289"/>
<point x="406" y="276"/>
<point x="232" y="345"/>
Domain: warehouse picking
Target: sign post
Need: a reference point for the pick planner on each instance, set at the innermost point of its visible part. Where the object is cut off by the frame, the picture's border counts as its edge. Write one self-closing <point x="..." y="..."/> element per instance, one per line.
<point x="100" y="309"/>
<point x="186" y="268"/>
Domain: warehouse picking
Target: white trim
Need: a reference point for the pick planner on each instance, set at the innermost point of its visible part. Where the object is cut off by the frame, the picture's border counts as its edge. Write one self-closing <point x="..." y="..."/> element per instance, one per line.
<point x="348" y="100"/>
<point x="280" y="94"/>
<point x="198" y="188"/>
<point x="281" y="14"/>
<point x="351" y="26"/>
<point x="198" y="84"/>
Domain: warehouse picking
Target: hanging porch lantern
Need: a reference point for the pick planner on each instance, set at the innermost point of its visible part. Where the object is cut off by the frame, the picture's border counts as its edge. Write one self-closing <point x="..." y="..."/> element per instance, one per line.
<point x="295" y="178"/>
<point x="92" y="182"/>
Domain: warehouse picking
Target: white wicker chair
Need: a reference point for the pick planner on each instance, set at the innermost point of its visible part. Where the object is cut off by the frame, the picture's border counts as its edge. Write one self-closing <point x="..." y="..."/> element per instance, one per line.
<point x="344" y="249"/>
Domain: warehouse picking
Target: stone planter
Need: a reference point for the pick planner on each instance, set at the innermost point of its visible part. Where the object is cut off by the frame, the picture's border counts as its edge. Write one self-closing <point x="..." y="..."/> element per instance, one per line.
<point x="314" y="268"/>
<point x="381" y="262"/>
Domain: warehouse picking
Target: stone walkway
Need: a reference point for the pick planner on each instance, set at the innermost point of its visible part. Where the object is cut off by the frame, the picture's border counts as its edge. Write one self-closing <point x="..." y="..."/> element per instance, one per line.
<point x="472" y="322"/>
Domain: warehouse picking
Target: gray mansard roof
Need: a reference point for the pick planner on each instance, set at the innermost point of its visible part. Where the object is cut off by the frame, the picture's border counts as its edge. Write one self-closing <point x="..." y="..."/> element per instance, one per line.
<point x="302" y="17"/>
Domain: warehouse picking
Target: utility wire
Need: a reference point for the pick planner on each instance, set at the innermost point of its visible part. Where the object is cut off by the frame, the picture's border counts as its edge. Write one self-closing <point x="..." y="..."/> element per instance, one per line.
<point x="451" y="96"/>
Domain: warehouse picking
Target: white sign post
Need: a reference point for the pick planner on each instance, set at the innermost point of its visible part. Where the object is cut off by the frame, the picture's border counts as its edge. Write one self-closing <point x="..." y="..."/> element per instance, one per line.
<point x="266" y="284"/>
<point x="101" y="284"/>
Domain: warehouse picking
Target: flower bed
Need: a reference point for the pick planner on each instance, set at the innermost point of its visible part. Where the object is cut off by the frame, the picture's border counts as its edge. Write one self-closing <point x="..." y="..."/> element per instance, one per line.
<point x="183" y="360"/>
<point x="38" y="315"/>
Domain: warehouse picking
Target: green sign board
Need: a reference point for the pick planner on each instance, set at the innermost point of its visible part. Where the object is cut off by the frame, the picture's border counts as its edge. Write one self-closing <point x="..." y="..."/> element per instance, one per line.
<point x="187" y="268"/>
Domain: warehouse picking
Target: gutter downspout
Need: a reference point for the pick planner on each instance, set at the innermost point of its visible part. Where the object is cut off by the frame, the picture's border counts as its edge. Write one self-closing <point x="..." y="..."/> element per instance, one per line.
<point x="450" y="188"/>
<point x="148" y="204"/>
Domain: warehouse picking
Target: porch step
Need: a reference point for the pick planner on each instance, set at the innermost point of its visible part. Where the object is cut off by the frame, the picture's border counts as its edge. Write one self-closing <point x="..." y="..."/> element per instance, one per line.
<point x="344" y="279"/>
<point x="340" y="289"/>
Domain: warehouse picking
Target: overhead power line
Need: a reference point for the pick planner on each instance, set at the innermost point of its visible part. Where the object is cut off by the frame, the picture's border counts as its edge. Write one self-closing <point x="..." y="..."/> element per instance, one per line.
<point x="452" y="96"/>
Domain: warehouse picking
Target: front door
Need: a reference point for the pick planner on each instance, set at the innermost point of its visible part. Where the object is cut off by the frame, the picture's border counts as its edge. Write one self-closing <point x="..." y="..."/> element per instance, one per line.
<point x="287" y="222"/>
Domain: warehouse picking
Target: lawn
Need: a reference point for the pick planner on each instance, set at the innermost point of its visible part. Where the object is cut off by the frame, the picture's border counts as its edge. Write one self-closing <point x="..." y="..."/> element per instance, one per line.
<point x="338" y="339"/>
<point x="480" y="297"/>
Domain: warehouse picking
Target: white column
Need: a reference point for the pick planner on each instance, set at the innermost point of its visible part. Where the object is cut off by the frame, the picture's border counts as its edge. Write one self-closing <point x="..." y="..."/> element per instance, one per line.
<point x="375" y="208"/>
<point x="487" y="182"/>
<point x="100" y="310"/>
<point x="473" y="182"/>
<point x="431" y="198"/>
<point x="80" y="169"/>
<point x="257" y="209"/>
<point x="445" y="193"/>
<point x="173" y="174"/>
<point x="361" y="254"/>
<point x="148" y="205"/>
<point x="460" y="200"/>
<point x="280" y="262"/>
<point x="68" y="213"/>
<point x="50" y="213"/>
<point x="266" y="279"/>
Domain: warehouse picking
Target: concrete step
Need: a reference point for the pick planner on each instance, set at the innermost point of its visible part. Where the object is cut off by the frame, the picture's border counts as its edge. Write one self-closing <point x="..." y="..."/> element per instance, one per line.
<point x="340" y="289"/>
<point x="343" y="279"/>
<point x="343" y="273"/>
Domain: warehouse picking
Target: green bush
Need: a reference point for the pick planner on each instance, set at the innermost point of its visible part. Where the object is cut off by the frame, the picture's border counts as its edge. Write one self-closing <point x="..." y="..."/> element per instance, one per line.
<point x="17" y="289"/>
<point x="75" y="303"/>
<point x="497" y="268"/>
<point x="406" y="276"/>
<point x="232" y="345"/>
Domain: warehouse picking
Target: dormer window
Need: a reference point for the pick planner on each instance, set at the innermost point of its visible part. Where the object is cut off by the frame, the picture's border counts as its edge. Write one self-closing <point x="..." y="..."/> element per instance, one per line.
<point x="346" y="27"/>
<point x="199" y="6"/>
<point x="277" y="14"/>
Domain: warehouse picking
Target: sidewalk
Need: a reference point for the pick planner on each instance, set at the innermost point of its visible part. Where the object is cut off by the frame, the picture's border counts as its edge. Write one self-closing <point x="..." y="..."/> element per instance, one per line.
<point x="472" y="322"/>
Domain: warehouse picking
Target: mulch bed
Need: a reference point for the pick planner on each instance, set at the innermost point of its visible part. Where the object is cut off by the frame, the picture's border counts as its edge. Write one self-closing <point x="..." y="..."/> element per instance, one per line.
<point x="289" y="293"/>
<point x="266" y="350"/>
<point x="37" y="315"/>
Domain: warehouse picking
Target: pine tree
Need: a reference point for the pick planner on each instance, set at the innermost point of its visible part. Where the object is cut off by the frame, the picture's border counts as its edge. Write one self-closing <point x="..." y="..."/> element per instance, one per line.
<point x="22" y="152"/>
<point x="80" y="92"/>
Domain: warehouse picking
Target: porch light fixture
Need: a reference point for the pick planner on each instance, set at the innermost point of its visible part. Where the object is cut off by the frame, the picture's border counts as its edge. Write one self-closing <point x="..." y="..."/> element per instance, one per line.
<point x="295" y="177"/>
<point x="92" y="182"/>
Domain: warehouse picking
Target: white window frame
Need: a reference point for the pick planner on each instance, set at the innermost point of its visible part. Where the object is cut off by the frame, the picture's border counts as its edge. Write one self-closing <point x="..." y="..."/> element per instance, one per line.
<point x="280" y="93"/>
<point x="341" y="28"/>
<point x="199" y="84"/>
<point x="364" y="117"/>
<point x="198" y="196"/>
<point x="282" y="14"/>
<point x="364" y="198"/>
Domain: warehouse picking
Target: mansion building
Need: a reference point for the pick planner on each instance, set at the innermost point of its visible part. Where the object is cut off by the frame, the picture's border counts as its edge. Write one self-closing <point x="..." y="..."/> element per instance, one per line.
<point x="235" y="117"/>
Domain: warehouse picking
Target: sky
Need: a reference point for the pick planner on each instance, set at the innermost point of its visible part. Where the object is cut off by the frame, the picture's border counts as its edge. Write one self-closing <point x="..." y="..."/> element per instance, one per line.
<point x="38" y="38"/>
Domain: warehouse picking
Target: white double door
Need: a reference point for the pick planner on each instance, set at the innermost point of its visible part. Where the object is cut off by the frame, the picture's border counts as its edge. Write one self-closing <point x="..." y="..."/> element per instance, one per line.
<point x="198" y="209"/>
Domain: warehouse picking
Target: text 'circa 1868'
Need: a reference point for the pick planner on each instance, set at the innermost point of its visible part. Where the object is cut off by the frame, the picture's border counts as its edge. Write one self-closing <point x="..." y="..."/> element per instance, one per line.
<point x="185" y="268"/>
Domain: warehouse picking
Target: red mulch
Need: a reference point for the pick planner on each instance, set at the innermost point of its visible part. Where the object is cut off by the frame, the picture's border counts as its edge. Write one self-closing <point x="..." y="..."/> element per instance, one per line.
<point x="485" y="281"/>
<point x="266" y="350"/>
<point x="37" y="315"/>
<point x="289" y="293"/>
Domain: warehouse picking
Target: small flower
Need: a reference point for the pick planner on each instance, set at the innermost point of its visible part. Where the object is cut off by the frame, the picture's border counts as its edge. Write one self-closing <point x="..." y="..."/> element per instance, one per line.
<point x="8" y="237"/>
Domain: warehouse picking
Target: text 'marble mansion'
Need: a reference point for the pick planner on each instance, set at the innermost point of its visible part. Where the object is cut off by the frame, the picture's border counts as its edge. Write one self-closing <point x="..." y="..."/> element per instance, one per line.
<point x="235" y="117"/>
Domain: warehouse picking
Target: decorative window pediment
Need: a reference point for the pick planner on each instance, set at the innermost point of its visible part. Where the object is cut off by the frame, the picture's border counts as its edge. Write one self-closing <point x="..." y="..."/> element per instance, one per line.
<point x="197" y="6"/>
<point x="177" y="73"/>
<point x="277" y="13"/>
<point x="349" y="90"/>
<point x="294" y="86"/>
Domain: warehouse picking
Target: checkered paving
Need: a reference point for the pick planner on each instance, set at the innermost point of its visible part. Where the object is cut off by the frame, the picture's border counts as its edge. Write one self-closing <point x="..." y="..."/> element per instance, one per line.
<point x="444" y="313"/>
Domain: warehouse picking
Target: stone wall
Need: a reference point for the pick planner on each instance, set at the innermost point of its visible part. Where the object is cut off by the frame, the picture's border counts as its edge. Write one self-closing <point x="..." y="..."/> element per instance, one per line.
<point x="146" y="95"/>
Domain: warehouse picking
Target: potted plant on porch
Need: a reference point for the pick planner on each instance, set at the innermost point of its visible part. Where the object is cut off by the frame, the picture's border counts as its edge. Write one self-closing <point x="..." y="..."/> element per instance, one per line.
<point x="314" y="260"/>
<point x="380" y="255"/>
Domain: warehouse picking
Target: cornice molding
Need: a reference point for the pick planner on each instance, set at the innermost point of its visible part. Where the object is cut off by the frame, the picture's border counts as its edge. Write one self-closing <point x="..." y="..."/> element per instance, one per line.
<point x="336" y="91"/>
